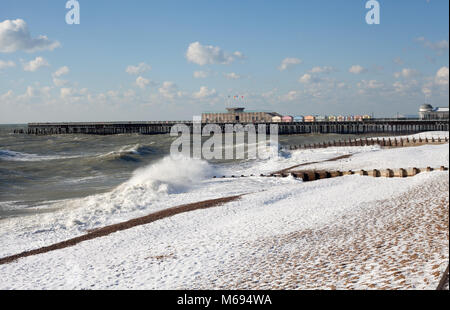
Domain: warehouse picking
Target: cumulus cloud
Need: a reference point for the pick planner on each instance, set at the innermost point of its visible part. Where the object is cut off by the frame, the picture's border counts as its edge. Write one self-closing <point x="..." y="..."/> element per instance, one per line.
<point x="7" y="64"/>
<point x="142" y="82"/>
<point x="35" y="93"/>
<point x="406" y="73"/>
<point x="61" y="71"/>
<point x="232" y="76"/>
<point x="406" y="87"/>
<point x="57" y="74"/>
<point x="200" y="74"/>
<point x="204" y="92"/>
<point x="357" y="69"/>
<point x="325" y="69"/>
<point x="290" y="96"/>
<point x="208" y="55"/>
<point x="308" y="78"/>
<point x="139" y="69"/>
<point x="35" y="64"/>
<point x="71" y="94"/>
<point x="289" y="62"/>
<point x="440" y="46"/>
<point x="66" y="92"/>
<point x="15" y="36"/>
<point x="7" y="96"/>
<point x="441" y="78"/>
<point x="169" y="90"/>
<point x="60" y="82"/>
<point x="369" y="85"/>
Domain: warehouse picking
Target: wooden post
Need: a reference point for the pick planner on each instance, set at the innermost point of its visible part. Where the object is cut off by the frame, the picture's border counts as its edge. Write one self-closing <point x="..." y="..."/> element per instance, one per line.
<point x="388" y="173"/>
<point x="375" y="173"/>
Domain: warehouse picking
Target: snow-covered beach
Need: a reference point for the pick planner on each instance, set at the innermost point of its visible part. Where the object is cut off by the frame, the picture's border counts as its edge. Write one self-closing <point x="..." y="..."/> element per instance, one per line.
<point x="351" y="232"/>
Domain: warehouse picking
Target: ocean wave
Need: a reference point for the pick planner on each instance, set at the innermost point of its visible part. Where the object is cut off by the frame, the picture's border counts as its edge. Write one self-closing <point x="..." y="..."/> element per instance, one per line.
<point x="145" y="188"/>
<point x="7" y="155"/>
<point x="126" y="152"/>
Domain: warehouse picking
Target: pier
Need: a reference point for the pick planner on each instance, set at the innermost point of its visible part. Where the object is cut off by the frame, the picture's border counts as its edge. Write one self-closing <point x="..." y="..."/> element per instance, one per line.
<point x="164" y="127"/>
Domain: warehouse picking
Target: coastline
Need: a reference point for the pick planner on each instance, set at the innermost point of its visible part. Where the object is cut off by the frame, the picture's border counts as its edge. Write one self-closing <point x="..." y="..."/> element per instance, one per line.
<point x="329" y="234"/>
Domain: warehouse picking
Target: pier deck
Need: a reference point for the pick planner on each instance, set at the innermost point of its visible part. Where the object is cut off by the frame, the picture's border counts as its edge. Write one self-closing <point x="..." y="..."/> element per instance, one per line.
<point x="164" y="127"/>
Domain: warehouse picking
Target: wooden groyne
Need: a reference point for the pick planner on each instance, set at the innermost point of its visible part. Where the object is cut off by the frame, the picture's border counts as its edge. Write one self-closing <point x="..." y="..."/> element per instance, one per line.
<point x="383" y="142"/>
<point x="443" y="284"/>
<point x="314" y="175"/>
<point x="164" y="127"/>
<point x="106" y="231"/>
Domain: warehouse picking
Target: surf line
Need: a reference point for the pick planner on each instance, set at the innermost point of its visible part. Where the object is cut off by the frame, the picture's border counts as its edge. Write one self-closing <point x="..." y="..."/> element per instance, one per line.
<point x="107" y="230"/>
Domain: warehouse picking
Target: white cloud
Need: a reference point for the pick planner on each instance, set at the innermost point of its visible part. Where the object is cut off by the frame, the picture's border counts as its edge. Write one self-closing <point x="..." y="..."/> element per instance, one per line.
<point x="61" y="71"/>
<point x="440" y="46"/>
<point x="139" y="69"/>
<point x="239" y="55"/>
<point x="66" y="92"/>
<point x="33" y="92"/>
<point x="441" y="78"/>
<point x="357" y="69"/>
<point x="406" y="73"/>
<point x="204" y="92"/>
<point x="232" y="76"/>
<point x="15" y="36"/>
<point x="60" y="82"/>
<point x="406" y="87"/>
<point x="29" y="93"/>
<point x="74" y="95"/>
<point x="7" y="64"/>
<point x="169" y="90"/>
<point x="325" y="69"/>
<point x="7" y="96"/>
<point x="369" y="85"/>
<point x="208" y="54"/>
<point x="289" y="62"/>
<point x="57" y="74"/>
<point x="142" y="82"/>
<point x="290" y="96"/>
<point x="201" y="74"/>
<point x="35" y="64"/>
<point x="308" y="78"/>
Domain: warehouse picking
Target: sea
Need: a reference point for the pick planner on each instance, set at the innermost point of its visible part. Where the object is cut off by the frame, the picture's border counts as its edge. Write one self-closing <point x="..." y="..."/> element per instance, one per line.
<point x="40" y="174"/>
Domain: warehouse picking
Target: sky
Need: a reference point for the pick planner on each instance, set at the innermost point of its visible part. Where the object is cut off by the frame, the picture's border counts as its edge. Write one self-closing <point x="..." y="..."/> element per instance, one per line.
<point x="141" y="60"/>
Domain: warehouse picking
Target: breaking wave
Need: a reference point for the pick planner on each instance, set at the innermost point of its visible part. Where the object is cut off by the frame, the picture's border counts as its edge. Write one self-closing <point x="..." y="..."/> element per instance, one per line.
<point x="128" y="153"/>
<point x="147" y="186"/>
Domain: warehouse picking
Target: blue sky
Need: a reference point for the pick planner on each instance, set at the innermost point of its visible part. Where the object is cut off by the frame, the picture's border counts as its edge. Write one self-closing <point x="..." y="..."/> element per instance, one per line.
<point x="185" y="57"/>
